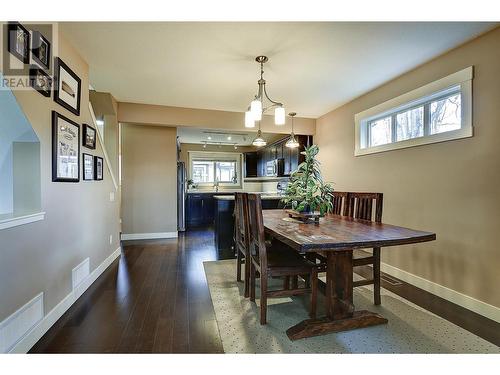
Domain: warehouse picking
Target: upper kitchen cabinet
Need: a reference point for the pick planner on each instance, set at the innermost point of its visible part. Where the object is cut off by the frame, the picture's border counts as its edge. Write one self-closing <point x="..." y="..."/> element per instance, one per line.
<point x="287" y="159"/>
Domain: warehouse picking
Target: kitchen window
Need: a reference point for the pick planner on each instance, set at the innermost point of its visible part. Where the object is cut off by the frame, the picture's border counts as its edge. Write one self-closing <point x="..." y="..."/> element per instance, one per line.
<point x="437" y="112"/>
<point x="208" y="168"/>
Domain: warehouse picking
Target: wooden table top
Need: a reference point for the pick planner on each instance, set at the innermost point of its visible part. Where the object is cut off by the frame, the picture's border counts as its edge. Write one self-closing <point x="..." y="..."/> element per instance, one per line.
<point x="336" y="232"/>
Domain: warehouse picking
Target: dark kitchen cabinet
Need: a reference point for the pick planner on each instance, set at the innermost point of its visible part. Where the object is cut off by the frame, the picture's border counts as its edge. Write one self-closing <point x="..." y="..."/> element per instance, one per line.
<point x="251" y="164"/>
<point x="291" y="157"/>
<point x="194" y="210"/>
<point x="200" y="209"/>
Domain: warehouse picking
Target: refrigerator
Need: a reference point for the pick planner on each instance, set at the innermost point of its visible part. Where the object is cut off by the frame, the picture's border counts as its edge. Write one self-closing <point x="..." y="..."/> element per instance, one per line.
<point x="181" y="196"/>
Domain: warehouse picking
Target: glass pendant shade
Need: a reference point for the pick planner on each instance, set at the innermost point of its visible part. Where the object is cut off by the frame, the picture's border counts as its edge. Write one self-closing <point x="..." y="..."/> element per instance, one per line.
<point x="292" y="142"/>
<point x="279" y="116"/>
<point x="256" y="109"/>
<point x="259" y="141"/>
<point x="249" y="121"/>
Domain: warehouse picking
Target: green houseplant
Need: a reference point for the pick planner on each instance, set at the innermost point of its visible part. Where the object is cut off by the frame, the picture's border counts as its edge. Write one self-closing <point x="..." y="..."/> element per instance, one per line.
<point x="306" y="191"/>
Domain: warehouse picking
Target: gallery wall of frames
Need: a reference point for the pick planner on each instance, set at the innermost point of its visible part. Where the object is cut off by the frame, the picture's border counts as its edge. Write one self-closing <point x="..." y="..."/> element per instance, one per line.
<point x="23" y="43"/>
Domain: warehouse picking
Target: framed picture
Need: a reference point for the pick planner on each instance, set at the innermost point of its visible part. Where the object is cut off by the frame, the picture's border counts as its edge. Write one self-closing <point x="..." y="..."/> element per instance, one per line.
<point x="98" y="168"/>
<point x="65" y="149"/>
<point x="40" y="49"/>
<point x="40" y="81"/>
<point x="88" y="167"/>
<point x="67" y="87"/>
<point x="18" y="41"/>
<point x="89" y="136"/>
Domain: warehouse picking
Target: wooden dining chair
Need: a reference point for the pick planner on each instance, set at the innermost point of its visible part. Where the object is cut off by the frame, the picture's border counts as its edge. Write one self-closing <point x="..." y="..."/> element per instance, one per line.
<point x="366" y="206"/>
<point x="339" y="202"/>
<point x="275" y="263"/>
<point x="241" y="233"/>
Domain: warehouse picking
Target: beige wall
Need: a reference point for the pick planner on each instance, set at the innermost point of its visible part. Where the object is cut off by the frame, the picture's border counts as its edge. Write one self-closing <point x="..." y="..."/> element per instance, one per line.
<point x="39" y="257"/>
<point x="204" y="118"/>
<point x="451" y="188"/>
<point x="149" y="179"/>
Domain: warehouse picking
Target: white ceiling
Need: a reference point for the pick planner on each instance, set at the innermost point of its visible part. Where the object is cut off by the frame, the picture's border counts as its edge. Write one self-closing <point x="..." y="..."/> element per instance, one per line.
<point x="313" y="67"/>
<point x="211" y="136"/>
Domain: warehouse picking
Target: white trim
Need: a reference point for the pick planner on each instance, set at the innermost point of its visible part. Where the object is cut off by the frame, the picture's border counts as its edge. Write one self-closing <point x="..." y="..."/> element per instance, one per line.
<point x="21" y="220"/>
<point x="99" y="136"/>
<point x="24" y="345"/>
<point x="470" y="303"/>
<point x="462" y="78"/>
<point x="18" y="324"/>
<point x="148" y="236"/>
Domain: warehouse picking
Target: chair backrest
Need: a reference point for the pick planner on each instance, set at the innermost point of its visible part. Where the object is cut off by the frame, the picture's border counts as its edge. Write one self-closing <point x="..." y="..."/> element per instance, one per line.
<point x="257" y="237"/>
<point x="339" y="202"/>
<point x="362" y="205"/>
<point x="241" y="225"/>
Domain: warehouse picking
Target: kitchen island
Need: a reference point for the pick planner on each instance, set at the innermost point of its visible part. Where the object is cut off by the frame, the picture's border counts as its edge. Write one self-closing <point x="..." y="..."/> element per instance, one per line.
<point x="224" y="220"/>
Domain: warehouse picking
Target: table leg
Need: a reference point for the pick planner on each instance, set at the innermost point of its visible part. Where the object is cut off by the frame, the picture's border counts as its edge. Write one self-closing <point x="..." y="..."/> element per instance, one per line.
<point x="340" y="314"/>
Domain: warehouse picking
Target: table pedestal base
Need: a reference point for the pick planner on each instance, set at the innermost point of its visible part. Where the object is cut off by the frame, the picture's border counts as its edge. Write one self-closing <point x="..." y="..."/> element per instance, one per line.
<point x="323" y="326"/>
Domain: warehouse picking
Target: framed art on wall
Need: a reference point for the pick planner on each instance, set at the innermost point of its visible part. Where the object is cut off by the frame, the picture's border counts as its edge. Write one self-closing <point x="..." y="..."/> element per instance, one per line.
<point x="40" y="81"/>
<point x="18" y="41"/>
<point x="40" y="49"/>
<point x="89" y="136"/>
<point x="65" y="149"/>
<point x="88" y="167"/>
<point x="98" y="168"/>
<point x="67" y="87"/>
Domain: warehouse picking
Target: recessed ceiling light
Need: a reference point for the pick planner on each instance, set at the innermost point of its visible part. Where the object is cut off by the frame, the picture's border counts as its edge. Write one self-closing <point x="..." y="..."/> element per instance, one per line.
<point x="229" y="138"/>
<point x="209" y="137"/>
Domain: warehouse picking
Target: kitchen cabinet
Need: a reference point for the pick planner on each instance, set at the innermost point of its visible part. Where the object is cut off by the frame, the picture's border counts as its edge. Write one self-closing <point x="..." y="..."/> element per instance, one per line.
<point x="256" y="161"/>
<point x="200" y="209"/>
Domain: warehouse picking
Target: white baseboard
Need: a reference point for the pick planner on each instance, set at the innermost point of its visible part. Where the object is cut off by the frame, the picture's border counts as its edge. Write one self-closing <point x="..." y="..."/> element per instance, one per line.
<point x="448" y="294"/>
<point x="36" y="333"/>
<point x="148" y="236"/>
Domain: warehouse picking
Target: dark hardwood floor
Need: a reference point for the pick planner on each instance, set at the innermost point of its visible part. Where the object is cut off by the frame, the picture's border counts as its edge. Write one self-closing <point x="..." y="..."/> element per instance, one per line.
<point x="155" y="299"/>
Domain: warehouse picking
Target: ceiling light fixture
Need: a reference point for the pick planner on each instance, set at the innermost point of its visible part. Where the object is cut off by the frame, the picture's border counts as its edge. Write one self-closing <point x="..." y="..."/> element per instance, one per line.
<point x="257" y="106"/>
<point x="259" y="141"/>
<point x="292" y="141"/>
<point x="229" y="138"/>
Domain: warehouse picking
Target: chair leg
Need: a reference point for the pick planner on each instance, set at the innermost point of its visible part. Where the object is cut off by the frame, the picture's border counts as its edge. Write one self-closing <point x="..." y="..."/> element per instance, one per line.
<point x="238" y="265"/>
<point x="263" y="299"/>
<point x="286" y="282"/>
<point x="376" y="275"/>
<point x="295" y="282"/>
<point x="252" y="281"/>
<point x="247" y="277"/>
<point x="314" y="293"/>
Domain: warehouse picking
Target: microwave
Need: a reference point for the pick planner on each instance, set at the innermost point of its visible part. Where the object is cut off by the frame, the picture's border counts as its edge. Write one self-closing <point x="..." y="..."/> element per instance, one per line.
<point x="275" y="168"/>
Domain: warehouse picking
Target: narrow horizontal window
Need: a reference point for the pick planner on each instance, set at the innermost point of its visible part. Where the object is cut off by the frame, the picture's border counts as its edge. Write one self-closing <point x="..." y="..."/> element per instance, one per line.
<point x="439" y="111"/>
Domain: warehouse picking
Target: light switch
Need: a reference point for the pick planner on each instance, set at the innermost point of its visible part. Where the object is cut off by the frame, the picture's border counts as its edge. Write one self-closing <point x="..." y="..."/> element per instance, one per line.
<point x="112" y="196"/>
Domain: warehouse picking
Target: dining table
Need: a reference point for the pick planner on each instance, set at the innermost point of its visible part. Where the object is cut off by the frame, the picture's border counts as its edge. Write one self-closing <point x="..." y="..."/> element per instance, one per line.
<point x="336" y="237"/>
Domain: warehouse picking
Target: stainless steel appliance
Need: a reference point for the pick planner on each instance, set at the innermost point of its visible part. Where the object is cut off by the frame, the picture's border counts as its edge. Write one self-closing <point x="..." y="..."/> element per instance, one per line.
<point x="181" y="196"/>
<point x="275" y="168"/>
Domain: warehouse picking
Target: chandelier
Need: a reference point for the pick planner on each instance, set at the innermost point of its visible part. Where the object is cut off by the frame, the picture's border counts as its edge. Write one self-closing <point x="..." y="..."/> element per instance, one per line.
<point x="262" y="103"/>
<point x="292" y="141"/>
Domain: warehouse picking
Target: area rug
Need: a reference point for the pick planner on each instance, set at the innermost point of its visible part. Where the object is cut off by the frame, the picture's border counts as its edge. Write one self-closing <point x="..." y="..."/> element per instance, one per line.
<point x="411" y="329"/>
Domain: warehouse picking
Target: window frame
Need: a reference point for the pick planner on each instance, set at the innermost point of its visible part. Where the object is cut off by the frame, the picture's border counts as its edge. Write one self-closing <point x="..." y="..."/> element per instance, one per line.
<point x="459" y="82"/>
<point x="216" y="157"/>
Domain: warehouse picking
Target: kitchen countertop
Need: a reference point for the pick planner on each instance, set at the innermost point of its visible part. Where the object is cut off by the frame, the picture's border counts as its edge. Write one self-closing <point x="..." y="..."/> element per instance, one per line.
<point x="263" y="196"/>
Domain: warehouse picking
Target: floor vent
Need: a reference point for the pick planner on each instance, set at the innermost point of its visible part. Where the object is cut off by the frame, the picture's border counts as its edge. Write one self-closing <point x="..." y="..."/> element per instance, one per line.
<point x="16" y="326"/>
<point x="80" y="273"/>
<point x="390" y="280"/>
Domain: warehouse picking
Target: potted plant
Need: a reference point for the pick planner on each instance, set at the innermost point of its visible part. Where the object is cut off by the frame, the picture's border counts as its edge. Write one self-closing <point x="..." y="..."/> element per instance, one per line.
<point x="306" y="192"/>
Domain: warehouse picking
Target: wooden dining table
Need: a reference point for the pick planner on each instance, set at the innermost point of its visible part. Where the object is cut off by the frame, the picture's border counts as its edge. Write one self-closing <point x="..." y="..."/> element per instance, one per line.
<point x="336" y="237"/>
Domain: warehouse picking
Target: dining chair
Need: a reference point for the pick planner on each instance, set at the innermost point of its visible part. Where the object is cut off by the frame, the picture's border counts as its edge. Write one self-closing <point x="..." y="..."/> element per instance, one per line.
<point x="366" y="206"/>
<point x="275" y="263"/>
<point x="241" y="233"/>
